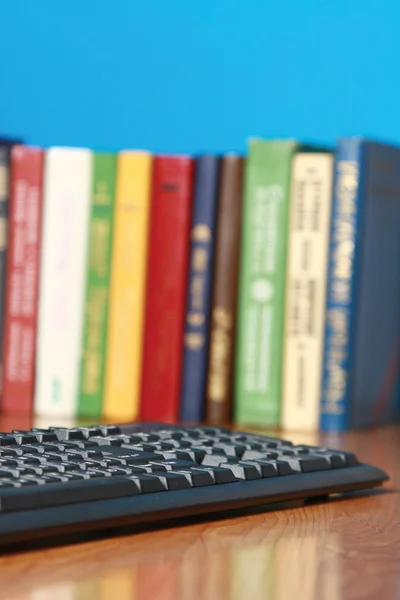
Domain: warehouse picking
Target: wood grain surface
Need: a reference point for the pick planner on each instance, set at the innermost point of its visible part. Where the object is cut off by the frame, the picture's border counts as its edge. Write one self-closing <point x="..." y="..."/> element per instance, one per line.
<point x="347" y="548"/>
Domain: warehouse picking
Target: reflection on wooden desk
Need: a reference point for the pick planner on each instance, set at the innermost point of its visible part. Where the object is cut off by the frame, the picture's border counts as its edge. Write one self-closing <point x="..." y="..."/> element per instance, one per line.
<point x="344" y="549"/>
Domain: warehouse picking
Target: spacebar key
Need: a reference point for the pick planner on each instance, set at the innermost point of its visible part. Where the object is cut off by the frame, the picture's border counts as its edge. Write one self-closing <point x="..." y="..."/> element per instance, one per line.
<point x="71" y="492"/>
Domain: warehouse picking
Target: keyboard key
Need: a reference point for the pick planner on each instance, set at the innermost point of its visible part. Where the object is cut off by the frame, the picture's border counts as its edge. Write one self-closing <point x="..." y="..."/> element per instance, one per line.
<point x="8" y="462"/>
<point x="220" y="474"/>
<point x="259" y="455"/>
<point x="7" y="440"/>
<point x="309" y="464"/>
<point x="173" y="481"/>
<point x="65" y="434"/>
<point x="148" y="484"/>
<point x="236" y="450"/>
<point x="65" y="467"/>
<point x="89" y="432"/>
<point x="72" y="492"/>
<point x="198" y="477"/>
<point x="108" y="441"/>
<point x="173" y="435"/>
<point x="265" y="468"/>
<point x="215" y="460"/>
<point x="16" y="471"/>
<point x="45" y="469"/>
<point x="245" y="471"/>
<point x="27" y="460"/>
<point x="174" y="464"/>
<point x="44" y="436"/>
<point x="109" y="430"/>
<point x="25" y="438"/>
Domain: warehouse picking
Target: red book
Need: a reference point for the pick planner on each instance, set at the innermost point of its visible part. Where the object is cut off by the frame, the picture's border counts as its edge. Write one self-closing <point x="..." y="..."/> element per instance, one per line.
<point x="22" y="280"/>
<point x="167" y="271"/>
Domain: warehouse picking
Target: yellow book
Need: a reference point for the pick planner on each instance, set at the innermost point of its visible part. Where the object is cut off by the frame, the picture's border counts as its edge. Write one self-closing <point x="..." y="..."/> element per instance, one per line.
<point x="128" y="280"/>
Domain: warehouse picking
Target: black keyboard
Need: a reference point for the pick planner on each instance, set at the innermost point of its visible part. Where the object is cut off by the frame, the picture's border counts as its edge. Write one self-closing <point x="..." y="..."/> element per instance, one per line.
<point x="61" y="480"/>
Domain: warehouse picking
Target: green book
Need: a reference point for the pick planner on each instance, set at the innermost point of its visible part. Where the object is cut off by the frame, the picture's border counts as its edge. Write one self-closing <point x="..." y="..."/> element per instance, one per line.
<point x="94" y="343"/>
<point x="258" y="369"/>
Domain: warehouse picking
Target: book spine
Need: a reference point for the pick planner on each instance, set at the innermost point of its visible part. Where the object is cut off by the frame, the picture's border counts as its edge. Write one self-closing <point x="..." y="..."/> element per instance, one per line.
<point x="196" y="338"/>
<point x="342" y="286"/>
<point x="310" y="211"/>
<point x="22" y="277"/>
<point x="223" y="313"/>
<point x="5" y="150"/>
<point x="171" y="212"/>
<point x="128" y="280"/>
<point x="94" y="342"/>
<point x="66" y="210"/>
<point x="262" y="282"/>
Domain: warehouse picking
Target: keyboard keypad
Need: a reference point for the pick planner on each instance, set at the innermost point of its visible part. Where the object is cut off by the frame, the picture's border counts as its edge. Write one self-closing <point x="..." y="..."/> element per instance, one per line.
<point x="105" y="461"/>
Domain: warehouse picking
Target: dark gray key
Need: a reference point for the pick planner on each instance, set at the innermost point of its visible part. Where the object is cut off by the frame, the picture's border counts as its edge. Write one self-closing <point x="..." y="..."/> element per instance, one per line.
<point x="87" y="454"/>
<point x="28" y="449"/>
<point x="72" y="492"/>
<point x="65" y="467"/>
<point x="215" y="460"/>
<point x="189" y="454"/>
<point x="259" y="455"/>
<point x="47" y="447"/>
<point x="65" y="434"/>
<point x="349" y="457"/>
<point x="9" y="452"/>
<point x="108" y="441"/>
<point x="89" y="474"/>
<point x="16" y="471"/>
<point x="27" y="460"/>
<point x="282" y="466"/>
<point x="27" y="480"/>
<point x="173" y="481"/>
<point x="149" y="484"/>
<point x="220" y="474"/>
<point x="89" y="432"/>
<point x="245" y="471"/>
<point x="137" y="457"/>
<point x="8" y="462"/>
<point x="25" y="438"/>
<point x="309" y="464"/>
<point x="72" y="476"/>
<point x="198" y="477"/>
<point x="236" y="450"/>
<point x="119" y="471"/>
<point x="45" y="469"/>
<point x="7" y="440"/>
<point x="123" y="459"/>
<point x="173" y="435"/>
<point x="110" y="429"/>
<point x="5" y="484"/>
<point x="172" y="464"/>
<point x="44" y="436"/>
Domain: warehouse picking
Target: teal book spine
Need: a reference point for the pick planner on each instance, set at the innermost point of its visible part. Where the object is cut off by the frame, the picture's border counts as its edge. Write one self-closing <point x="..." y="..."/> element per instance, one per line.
<point x="258" y="381"/>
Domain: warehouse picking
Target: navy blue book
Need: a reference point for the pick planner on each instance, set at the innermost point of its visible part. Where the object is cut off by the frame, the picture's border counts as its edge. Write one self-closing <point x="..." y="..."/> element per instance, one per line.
<point x="360" y="379"/>
<point x="198" y="306"/>
<point x="5" y="176"/>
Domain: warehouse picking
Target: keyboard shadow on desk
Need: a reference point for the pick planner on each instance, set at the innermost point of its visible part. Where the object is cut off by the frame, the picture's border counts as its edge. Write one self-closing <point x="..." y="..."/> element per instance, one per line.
<point x="55" y="541"/>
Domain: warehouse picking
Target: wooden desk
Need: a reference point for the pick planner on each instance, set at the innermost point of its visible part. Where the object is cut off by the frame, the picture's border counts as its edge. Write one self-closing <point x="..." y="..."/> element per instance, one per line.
<point x="345" y="549"/>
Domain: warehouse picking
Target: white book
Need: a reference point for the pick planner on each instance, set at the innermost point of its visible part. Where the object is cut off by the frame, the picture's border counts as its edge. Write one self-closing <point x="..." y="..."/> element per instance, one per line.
<point x="66" y="210"/>
<point x="307" y="262"/>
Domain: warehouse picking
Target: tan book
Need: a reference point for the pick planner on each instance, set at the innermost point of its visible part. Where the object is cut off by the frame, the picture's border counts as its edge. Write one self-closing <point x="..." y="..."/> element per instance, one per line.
<point x="308" y="240"/>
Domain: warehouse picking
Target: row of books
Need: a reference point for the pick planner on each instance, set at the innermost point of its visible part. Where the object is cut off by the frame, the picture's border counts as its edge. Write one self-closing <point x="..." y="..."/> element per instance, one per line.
<point x="262" y="289"/>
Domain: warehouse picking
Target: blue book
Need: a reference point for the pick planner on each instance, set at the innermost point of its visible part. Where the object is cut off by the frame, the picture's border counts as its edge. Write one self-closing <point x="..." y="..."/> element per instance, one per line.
<point x="360" y="379"/>
<point x="198" y="307"/>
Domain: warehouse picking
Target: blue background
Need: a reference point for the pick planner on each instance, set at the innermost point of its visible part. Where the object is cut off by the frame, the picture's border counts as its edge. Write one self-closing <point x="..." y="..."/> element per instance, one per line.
<point x="198" y="75"/>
